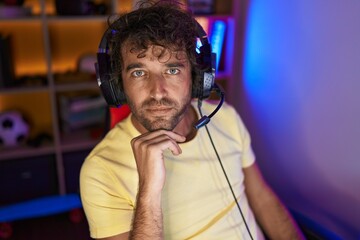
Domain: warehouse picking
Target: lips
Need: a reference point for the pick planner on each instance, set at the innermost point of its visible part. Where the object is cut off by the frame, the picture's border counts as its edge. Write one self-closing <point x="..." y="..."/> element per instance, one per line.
<point x="159" y="110"/>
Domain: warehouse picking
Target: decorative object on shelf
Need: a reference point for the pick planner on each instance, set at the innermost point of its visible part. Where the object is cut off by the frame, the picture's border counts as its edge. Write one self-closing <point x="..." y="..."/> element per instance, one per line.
<point x="40" y="140"/>
<point x="14" y="130"/>
<point x="13" y="2"/>
<point x="78" y="112"/>
<point x="14" y="12"/>
<point x="217" y="39"/>
<point x="13" y="9"/>
<point x="6" y="62"/>
<point x="201" y="6"/>
<point x="30" y="81"/>
<point x="86" y="63"/>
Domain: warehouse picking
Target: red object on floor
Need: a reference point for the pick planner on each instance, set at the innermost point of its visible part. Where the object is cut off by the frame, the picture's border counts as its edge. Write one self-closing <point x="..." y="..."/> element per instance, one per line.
<point x="6" y="230"/>
<point x="76" y="215"/>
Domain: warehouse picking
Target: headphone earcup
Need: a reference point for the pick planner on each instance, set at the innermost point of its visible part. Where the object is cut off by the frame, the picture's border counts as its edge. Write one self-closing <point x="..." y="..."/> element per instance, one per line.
<point x="110" y="89"/>
<point x="112" y="94"/>
<point x="197" y="84"/>
<point x="204" y="77"/>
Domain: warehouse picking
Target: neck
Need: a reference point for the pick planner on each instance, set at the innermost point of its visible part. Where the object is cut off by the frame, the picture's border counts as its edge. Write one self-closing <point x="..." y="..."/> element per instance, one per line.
<point x="186" y="126"/>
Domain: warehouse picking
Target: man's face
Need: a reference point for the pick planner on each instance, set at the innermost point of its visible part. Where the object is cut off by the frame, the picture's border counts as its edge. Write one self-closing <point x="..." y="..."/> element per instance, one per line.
<point x="157" y="86"/>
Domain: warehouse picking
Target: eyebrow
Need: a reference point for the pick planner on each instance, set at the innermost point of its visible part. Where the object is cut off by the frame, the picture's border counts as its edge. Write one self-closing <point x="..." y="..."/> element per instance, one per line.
<point x="169" y="65"/>
<point x="133" y="66"/>
<point x="175" y="64"/>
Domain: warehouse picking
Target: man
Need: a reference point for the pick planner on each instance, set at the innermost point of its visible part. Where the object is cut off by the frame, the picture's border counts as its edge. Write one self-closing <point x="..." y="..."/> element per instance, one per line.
<point x="154" y="176"/>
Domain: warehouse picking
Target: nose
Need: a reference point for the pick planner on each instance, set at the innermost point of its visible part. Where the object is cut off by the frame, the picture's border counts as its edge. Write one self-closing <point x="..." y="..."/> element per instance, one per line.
<point x="158" y="87"/>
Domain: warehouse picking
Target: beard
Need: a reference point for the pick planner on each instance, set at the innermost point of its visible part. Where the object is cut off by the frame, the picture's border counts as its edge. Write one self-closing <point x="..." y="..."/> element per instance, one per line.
<point x="168" y="121"/>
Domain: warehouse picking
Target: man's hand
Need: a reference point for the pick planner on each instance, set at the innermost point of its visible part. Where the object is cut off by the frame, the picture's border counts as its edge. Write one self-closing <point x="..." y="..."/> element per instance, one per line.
<point x="148" y="151"/>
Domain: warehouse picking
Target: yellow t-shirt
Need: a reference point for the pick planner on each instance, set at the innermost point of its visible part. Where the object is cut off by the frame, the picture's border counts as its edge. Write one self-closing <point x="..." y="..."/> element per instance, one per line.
<point x="196" y="200"/>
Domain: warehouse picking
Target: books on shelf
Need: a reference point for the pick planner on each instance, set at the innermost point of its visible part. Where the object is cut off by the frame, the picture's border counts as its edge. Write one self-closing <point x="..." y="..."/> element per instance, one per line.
<point x="81" y="111"/>
<point x="14" y="11"/>
<point x="6" y="63"/>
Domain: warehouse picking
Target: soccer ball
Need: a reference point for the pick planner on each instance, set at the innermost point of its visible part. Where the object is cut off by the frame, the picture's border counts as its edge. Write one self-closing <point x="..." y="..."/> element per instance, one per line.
<point x="14" y="130"/>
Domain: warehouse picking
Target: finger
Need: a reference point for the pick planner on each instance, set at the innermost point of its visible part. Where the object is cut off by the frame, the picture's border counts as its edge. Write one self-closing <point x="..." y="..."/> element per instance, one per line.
<point x="175" y="136"/>
<point x="155" y="148"/>
<point x="159" y="143"/>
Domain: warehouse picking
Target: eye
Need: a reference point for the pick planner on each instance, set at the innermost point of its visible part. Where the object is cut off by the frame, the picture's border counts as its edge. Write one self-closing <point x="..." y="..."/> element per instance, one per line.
<point x="173" y="71"/>
<point x="138" y="73"/>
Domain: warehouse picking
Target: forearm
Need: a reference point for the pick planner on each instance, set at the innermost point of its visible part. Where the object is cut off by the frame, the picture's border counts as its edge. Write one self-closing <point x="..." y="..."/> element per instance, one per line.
<point x="274" y="218"/>
<point x="147" y="221"/>
<point x="148" y="151"/>
<point x="269" y="212"/>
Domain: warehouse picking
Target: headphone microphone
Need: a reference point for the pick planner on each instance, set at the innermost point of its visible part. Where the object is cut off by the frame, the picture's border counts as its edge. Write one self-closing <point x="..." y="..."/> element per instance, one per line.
<point x="204" y="118"/>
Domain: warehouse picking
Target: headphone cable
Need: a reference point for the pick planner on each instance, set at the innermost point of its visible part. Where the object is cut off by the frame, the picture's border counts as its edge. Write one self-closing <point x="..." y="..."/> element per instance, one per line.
<point x="225" y="174"/>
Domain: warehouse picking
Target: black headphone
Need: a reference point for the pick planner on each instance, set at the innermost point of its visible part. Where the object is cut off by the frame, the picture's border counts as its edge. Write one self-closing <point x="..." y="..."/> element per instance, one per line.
<point x="203" y="82"/>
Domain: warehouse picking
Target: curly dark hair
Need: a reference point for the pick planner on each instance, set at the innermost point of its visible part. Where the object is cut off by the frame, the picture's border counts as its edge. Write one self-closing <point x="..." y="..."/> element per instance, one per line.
<point x="164" y="23"/>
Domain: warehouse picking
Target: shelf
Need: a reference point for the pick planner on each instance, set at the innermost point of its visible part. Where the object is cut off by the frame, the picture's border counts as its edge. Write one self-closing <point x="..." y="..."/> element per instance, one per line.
<point x="27" y="89"/>
<point x="80" y="140"/>
<point x="77" y="86"/>
<point x="71" y="19"/>
<point x="78" y="146"/>
<point x="21" y="19"/>
<point x="25" y="152"/>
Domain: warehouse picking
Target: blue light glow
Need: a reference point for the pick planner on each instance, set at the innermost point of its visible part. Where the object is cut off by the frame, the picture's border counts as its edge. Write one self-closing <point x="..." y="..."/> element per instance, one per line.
<point x="198" y="45"/>
<point x="217" y="39"/>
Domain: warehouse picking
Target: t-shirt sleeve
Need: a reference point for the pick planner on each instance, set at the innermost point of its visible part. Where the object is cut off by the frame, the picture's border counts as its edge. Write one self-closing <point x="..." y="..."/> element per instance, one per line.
<point x="107" y="211"/>
<point x="242" y="135"/>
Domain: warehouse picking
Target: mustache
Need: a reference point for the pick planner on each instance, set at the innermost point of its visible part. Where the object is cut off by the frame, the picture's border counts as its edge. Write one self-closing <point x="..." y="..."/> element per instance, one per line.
<point x="162" y="102"/>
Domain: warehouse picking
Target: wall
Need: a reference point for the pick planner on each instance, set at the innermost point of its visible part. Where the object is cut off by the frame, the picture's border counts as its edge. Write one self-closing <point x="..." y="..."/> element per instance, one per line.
<point x="299" y="75"/>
